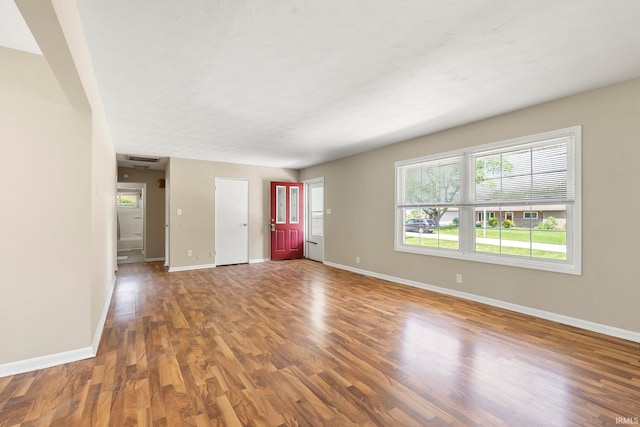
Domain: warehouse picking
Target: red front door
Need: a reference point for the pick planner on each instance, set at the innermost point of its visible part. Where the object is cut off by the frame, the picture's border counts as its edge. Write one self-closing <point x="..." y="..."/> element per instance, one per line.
<point x="287" y="226"/>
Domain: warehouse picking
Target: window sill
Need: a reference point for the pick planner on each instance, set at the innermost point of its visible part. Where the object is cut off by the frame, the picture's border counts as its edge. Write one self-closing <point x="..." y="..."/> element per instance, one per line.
<point x="505" y="260"/>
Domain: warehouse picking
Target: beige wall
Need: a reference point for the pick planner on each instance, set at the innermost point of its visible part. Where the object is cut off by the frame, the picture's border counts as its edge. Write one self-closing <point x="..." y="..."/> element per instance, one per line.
<point x="191" y="186"/>
<point x="103" y="159"/>
<point x="46" y="217"/>
<point x="360" y="192"/>
<point x="154" y="210"/>
<point x="103" y="229"/>
<point x="58" y="249"/>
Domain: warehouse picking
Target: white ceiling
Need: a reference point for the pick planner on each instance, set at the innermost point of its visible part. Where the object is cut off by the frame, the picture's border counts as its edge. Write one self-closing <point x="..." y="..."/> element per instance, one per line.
<point x="292" y="83"/>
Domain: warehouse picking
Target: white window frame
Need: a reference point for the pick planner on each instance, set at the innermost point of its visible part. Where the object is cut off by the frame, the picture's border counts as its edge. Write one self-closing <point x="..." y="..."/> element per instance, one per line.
<point x="532" y="215"/>
<point x="467" y="216"/>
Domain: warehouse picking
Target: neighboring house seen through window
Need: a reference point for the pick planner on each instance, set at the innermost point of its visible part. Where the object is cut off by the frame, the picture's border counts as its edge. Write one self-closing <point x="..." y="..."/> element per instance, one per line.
<point x="514" y="202"/>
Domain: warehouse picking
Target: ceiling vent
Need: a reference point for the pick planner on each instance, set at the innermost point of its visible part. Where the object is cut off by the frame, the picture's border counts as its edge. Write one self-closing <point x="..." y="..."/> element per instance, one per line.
<point x="144" y="159"/>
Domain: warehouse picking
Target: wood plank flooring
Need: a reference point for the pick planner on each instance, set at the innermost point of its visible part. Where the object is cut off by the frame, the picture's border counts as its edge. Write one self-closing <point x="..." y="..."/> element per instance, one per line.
<point x="297" y="343"/>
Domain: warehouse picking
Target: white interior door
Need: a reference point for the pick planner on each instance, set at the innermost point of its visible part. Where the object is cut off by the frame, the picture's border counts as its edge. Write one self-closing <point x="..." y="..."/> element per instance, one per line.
<point x="232" y="221"/>
<point x="167" y="211"/>
<point x="131" y="226"/>
<point x="315" y="219"/>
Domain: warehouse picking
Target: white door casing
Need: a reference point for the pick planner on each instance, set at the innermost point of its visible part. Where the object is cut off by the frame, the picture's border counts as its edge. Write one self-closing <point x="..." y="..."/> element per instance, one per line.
<point x="232" y="221"/>
<point x="314" y="210"/>
<point x="139" y="213"/>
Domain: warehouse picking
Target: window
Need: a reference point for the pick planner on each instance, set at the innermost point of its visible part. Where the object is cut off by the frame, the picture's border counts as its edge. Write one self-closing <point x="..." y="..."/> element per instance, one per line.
<point x="129" y="200"/>
<point x="485" y="203"/>
<point x="281" y="204"/>
<point x="317" y="211"/>
<point x="293" y="202"/>
<point x="489" y="215"/>
<point x="428" y="191"/>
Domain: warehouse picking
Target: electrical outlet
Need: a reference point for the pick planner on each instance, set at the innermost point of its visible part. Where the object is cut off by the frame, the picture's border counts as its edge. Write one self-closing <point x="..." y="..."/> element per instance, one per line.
<point x="458" y="278"/>
<point x="357" y="260"/>
<point x="189" y="252"/>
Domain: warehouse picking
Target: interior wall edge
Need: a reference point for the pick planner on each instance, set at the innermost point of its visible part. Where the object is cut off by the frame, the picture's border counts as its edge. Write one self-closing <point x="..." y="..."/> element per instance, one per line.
<point x="103" y="317"/>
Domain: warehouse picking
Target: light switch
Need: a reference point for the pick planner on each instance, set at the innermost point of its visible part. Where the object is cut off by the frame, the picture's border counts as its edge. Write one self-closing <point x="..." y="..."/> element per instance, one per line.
<point x="328" y="211"/>
<point x="179" y="212"/>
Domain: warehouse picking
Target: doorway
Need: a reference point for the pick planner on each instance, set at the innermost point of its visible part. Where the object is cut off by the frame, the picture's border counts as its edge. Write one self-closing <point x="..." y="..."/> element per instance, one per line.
<point x="287" y="220"/>
<point x="232" y="221"/>
<point x="314" y="230"/>
<point x="130" y="207"/>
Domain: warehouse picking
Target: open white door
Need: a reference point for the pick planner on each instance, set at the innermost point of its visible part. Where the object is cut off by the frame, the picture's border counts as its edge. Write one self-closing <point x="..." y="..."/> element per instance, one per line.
<point x="131" y="227"/>
<point x="232" y="221"/>
<point x="314" y="190"/>
<point x="167" y="210"/>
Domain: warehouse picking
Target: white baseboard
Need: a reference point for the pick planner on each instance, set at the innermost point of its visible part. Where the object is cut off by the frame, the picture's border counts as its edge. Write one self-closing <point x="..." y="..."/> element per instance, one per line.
<point x="41" y="362"/>
<point x="103" y="318"/>
<point x="154" y="259"/>
<point x="190" y="267"/>
<point x="35" y="363"/>
<point x="566" y="320"/>
<point x="198" y="267"/>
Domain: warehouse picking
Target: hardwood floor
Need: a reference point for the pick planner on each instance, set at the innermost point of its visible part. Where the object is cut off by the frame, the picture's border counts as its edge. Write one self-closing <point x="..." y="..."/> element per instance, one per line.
<point x="298" y="343"/>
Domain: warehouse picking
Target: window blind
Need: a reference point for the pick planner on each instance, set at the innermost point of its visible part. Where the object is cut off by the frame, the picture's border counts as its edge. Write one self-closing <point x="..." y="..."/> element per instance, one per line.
<point x="532" y="173"/>
<point x="433" y="183"/>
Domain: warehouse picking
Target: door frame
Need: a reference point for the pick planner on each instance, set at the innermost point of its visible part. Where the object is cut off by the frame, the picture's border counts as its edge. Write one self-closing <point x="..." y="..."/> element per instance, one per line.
<point x="287" y="238"/>
<point x="167" y="216"/>
<point x="142" y="186"/>
<point x="217" y="180"/>
<point x="307" y="211"/>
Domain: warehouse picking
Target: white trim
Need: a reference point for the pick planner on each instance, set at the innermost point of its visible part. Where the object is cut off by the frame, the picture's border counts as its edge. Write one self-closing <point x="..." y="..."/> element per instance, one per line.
<point x="42" y="362"/>
<point x="191" y="267"/>
<point x="308" y="214"/>
<point x="258" y="260"/>
<point x="488" y="258"/>
<point x="555" y="317"/>
<point x="142" y="186"/>
<point x="466" y="243"/>
<point x="218" y="220"/>
<point x="103" y="318"/>
<point x="154" y="259"/>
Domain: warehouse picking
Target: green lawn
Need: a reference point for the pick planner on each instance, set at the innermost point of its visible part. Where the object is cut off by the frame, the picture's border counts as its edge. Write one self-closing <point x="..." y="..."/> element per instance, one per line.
<point x="515" y="234"/>
<point x="431" y="242"/>
<point x="556" y="237"/>
<point x="507" y="250"/>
